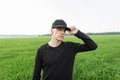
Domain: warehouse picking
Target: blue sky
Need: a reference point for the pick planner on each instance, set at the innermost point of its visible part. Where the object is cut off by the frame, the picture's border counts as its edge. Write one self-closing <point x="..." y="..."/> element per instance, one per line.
<point x="36" y="16"/>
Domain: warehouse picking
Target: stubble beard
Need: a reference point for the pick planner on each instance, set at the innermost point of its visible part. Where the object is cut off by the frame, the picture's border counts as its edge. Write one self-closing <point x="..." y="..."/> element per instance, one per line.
<point x="59" y="40"/>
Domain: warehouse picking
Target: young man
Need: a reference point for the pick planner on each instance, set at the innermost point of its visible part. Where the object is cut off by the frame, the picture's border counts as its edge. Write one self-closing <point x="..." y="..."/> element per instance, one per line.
<point x="56" y="57"/>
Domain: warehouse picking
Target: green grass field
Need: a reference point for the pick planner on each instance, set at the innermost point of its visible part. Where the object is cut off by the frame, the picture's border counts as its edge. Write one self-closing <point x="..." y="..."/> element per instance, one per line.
<point x="17" y="58"/>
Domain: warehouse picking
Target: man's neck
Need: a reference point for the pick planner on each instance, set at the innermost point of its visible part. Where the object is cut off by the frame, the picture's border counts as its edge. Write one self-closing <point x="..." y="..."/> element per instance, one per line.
<point x="54" y="43"/>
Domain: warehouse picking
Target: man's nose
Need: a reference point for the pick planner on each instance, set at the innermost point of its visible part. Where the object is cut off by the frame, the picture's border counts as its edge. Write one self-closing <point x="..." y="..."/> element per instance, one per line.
<point x="63" y="32"/>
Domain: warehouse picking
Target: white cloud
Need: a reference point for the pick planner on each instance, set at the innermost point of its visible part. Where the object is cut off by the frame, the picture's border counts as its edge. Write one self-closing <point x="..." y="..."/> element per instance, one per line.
<point x="36" y="16"/>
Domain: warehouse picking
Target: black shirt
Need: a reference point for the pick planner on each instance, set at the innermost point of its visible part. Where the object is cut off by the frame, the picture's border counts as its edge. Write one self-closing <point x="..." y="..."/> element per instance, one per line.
<point x="57" y="62"/>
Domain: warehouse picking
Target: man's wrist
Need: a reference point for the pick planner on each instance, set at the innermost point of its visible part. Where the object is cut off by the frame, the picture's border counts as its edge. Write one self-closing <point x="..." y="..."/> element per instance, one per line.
<point x="77" y="32"/>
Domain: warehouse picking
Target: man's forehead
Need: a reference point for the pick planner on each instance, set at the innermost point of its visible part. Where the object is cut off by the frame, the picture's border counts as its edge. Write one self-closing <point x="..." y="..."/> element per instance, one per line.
<point x="61" y="28"/>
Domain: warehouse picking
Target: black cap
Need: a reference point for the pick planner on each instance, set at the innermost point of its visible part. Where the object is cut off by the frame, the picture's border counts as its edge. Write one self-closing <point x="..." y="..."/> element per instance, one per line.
<point x="59" y="23"/>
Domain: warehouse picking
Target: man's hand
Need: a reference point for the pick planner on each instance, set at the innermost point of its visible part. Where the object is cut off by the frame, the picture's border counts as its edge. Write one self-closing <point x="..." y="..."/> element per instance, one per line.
<point x="73" y="30"/>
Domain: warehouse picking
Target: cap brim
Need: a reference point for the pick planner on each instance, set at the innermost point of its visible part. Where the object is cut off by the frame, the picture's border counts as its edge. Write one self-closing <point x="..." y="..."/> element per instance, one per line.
<point x="68" y="29"/>
<point x="62" y="26"/>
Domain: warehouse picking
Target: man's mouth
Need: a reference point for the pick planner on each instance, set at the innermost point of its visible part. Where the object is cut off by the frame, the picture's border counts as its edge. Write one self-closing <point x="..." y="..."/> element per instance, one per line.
<point x="62" y="36"/>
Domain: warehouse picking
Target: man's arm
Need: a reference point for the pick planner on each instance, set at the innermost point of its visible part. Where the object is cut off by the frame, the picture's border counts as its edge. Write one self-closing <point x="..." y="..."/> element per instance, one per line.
<point x="88" y="45"/>
<point x="37" y="66"/>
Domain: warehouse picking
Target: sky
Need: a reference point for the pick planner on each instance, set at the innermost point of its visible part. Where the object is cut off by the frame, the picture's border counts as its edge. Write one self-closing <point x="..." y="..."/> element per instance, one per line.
<point x="35" y="17"/>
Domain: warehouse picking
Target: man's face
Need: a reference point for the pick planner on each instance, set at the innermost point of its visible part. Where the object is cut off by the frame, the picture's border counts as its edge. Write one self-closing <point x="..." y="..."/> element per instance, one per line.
<point x="58" y="33"/>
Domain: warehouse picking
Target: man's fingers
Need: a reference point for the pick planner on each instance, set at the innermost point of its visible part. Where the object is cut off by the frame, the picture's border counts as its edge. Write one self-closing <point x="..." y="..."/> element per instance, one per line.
<point x="72" y="27"/>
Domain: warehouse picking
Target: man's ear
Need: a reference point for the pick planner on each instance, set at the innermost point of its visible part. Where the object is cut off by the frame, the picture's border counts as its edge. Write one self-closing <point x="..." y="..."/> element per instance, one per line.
<point x="52" y="31"/>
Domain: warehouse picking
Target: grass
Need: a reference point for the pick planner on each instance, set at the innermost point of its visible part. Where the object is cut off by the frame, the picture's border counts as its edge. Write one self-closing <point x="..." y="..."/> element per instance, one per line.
<point x="17" y="58"/>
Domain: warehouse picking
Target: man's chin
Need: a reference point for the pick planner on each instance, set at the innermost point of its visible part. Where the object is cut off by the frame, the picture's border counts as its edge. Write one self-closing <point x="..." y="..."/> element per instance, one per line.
<point x="60" y="39"/>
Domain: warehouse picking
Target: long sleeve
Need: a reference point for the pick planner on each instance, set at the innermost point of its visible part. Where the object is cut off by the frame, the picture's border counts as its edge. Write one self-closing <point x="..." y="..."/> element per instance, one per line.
<point x="88" y="45"/>
<point x="37" y="66"/>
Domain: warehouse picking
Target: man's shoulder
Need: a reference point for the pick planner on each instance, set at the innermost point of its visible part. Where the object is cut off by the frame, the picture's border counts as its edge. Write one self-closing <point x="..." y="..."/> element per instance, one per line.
<point x="69" y="43"/>
<point x="43" y="46"/>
